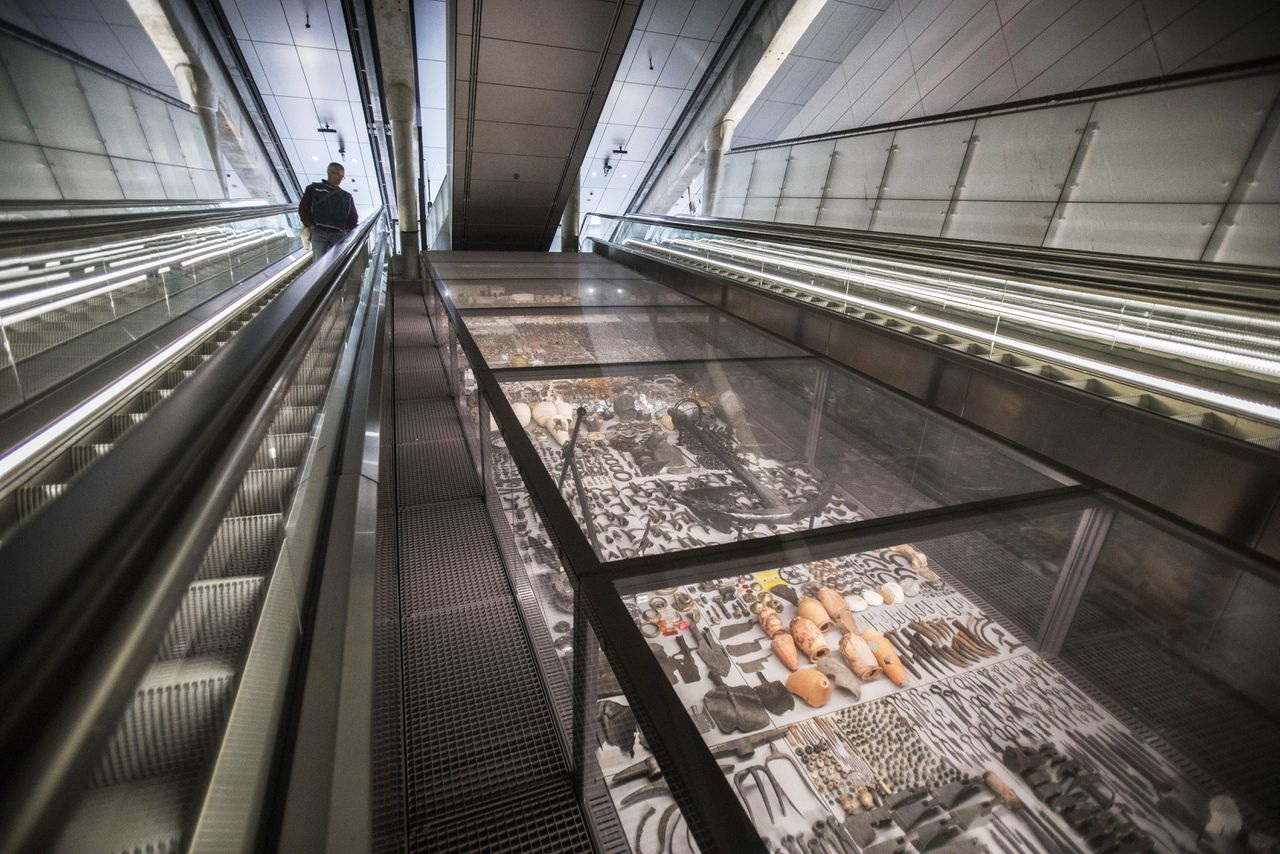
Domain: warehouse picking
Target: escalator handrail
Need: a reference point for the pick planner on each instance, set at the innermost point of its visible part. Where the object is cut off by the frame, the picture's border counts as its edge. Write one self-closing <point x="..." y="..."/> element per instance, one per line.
<point x="19" y="233"/>
<point x="1228" y="285"/>
<point x="88" y="586"/>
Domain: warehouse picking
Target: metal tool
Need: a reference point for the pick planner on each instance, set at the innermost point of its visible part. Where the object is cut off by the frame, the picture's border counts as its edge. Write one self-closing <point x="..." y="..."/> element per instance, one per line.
<point x="710" y="651"/>
<point x="685" y="662"/>
<point x="758" y="774"/>
<point x="644" y="793"/>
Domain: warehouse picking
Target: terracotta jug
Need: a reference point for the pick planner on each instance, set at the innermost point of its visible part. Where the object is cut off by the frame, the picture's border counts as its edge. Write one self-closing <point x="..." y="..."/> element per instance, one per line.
<point x="812" y="610"/>
<point x="811" y="686"/>
<point x="833" y="602"/>
<point x="860" y="658"/>
<point x="886" y="655"/>
<point x="785" y="648"/>
<point x="808" y="638"/>
<point x="771" y="622"/>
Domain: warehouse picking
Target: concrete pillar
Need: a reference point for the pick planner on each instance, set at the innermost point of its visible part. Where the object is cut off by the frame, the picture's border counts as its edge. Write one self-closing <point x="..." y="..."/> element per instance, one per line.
<point x="569" y="221"/>
<point x="402" y="111"/>
<point x="719" y="141"/>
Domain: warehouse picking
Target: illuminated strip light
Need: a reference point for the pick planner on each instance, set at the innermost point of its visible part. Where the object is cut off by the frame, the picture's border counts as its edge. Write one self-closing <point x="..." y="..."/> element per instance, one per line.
<point x="38" y="310"/>
<point x="40" y="443"/>
<point x="1230" y="403"/>
<point x="45" y="256"/>
<point x="38" y="280"/>
<point x="999" y="286"/>
<point x="1006" y="309"/>
<point x="152" y="262"/>
<point x="238" y="247"/>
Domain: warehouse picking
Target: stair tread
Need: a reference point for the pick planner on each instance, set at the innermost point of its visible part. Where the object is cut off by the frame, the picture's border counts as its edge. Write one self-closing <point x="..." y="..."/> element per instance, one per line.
<point x="140" y="815"/>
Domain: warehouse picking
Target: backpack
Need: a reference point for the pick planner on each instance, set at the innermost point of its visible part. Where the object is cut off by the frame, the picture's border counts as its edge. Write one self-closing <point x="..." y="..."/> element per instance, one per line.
<point x="330" y="206"/>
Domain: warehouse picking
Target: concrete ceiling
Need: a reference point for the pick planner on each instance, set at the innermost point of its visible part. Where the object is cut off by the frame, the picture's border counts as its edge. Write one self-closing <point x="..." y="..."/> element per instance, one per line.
<point x="530" y="82"/>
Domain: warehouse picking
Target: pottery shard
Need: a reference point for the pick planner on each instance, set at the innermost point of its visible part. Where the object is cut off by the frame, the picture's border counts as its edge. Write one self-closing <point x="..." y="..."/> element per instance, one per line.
<point x="811" y="686"/>
<point x="892" y="592"/>
<point x="808" y="638"/>
<point x="840" y="675"/>
<point x="860" y="658"/>
<point x="785" y="648"/>
<point x="886" y="655"/>
<point x="771" y="622"/>
<point x="832" y="601"/>
<point x="811" y="609"/>
<point x="847" y="622"/>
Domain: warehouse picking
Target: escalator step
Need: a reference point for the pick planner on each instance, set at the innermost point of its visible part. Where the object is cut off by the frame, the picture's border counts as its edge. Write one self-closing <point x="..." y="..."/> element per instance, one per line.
<point x="31" y="498"/>
<point x="173" y="722"/>
<point x="216" y="616"/>
<point x="263" y="491"/>
<point x="152" y="396"/>
<point x="280" y="450"/>
<point x="293" y="419"/>
<point x="142" y="817"/>
<point x="83" y="456"/>
<point x="305" y="395"/>
<point x="122" y="422"/>
<point x="244" y="545"/>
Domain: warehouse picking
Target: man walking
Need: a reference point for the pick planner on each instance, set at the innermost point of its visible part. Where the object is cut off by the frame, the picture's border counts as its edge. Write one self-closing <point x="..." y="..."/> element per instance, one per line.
<point x="327" y="212"/>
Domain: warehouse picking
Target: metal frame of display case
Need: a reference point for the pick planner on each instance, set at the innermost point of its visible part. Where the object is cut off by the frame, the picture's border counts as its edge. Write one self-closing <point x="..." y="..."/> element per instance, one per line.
<point x="711" y="809"/>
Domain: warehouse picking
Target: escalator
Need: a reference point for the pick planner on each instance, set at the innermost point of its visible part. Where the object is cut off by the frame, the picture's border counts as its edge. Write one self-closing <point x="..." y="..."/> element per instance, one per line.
<point x="175" y="520"/>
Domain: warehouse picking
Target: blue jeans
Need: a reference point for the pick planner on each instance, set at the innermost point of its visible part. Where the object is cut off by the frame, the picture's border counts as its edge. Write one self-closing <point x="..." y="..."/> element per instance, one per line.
<point x="323" y="239"/>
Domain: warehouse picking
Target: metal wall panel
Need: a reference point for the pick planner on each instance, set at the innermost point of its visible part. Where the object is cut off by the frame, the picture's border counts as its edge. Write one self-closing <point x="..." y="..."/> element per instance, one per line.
<point x="845" y="213"/>
<point x="25" y="174"/>
<point x="51" y="95"/>
<point x="758" y="208"/>
<point x="910" y="216"/>
<point x="858" y="167"/>
<point x="1249" y="234"/>
<point x="14" y="125"/>
<point x="1024" y="156"/>
<point x="1023" y="223"/>
<point x="1179" y="145"/>
<point x="195" y="150"/>
<point x="768" y="173"/>
<point x="1162" y="230"/>
<point x="807" y="170"/>
<point x="735" y="174"/>
<point x="138" y="179"/>
<point x="83" y="176"/>
<point x="177" y="181"/>
<point x="926" y="161"/>
<point x="113" y="110"/>
<point x="161" y="137"/>
<point x="803" y="211"/>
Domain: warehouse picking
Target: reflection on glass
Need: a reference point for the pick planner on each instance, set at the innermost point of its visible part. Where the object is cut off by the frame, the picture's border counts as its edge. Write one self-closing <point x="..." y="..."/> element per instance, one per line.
<point x="551" y="293"/>
<point x="1188" y="641"/>
<point x="682" y="459"/>
<point x="64" y="309"/>
<point x="865" y="697"/>
<point x="602" y="336"/>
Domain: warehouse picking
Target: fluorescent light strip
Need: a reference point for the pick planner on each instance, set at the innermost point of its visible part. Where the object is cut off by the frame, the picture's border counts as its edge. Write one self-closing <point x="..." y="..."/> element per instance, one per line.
<point x="152" y="262"/>
<point x="20" y="316"/>
<point x="1106" y="330"/>
<point x="41" y="442"/>
<point x="1230" y="403"/>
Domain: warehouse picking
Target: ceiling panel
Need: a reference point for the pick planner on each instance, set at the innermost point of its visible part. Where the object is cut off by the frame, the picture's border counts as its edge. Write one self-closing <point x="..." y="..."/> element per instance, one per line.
<point x="678" y="38"/>
<point x="536" y="66"/>
<point x="527" y="106"/>
<point x="545" y="67"/>
<point x="308" y="78"/>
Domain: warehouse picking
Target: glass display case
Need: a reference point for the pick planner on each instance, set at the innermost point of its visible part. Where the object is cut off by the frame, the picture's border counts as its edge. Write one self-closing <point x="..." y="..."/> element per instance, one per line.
<point x="801" y="612"/>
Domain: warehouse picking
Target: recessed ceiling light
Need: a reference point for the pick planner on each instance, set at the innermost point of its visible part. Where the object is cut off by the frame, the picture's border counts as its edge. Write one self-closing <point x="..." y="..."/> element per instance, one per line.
<point x="313" y="157"/>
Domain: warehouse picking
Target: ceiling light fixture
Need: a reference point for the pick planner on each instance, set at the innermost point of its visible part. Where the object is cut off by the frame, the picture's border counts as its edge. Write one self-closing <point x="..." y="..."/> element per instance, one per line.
<point x="621" y="149"/>
<point x="326" y="129"/>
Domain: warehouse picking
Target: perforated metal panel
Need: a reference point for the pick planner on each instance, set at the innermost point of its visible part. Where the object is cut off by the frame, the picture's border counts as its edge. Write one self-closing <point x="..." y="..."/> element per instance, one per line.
<point x="470" y="739"/>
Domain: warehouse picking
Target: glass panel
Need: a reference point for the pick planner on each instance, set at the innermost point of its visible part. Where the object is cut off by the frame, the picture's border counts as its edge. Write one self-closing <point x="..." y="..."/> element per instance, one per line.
<point x="532" y="293"/>
<point x="887" y="695"/>
<point x="1215" y="366"/>
<point x="894" y="456"/>
<point x="1187" y="640"/>
<point x="591" y="336"/>
<point x="714" y="453"/>
<point x="64" y="309"/>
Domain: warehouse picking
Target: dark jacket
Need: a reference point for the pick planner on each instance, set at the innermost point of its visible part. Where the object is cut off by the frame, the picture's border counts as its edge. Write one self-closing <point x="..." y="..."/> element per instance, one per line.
<point x="338" y="212"/>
